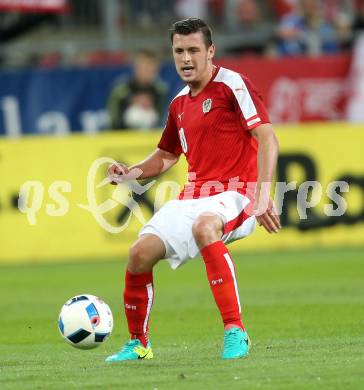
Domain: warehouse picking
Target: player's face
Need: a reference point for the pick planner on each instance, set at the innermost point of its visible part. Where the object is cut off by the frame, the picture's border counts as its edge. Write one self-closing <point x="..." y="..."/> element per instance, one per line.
<point x="192" y="58"/>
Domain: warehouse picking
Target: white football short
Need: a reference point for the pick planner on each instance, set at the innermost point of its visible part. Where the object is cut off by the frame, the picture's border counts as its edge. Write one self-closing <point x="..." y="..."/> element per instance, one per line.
<point x="173" y="223"/>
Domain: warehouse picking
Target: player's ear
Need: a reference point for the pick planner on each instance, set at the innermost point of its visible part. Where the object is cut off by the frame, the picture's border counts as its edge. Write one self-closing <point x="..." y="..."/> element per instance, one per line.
<point x="211" y="52"/>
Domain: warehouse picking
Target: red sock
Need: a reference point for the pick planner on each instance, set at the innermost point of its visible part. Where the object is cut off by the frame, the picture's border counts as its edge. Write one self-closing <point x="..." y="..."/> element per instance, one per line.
<point x="138" y="300"/>
<point x="221" y="275"/>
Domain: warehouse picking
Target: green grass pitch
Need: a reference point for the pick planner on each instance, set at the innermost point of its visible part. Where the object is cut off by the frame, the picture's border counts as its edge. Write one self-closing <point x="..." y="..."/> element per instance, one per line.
<point x="304" y="312"/>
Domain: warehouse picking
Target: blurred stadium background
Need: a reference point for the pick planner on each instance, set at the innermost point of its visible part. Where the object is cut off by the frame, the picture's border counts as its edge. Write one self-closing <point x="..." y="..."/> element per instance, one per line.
<point x="60" y="61"/>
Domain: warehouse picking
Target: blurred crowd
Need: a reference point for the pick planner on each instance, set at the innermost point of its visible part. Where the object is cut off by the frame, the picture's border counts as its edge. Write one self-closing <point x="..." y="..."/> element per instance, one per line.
<point x="300" y="26"/>
<point x="263" y="27"/>
<point x="139" y="101"/>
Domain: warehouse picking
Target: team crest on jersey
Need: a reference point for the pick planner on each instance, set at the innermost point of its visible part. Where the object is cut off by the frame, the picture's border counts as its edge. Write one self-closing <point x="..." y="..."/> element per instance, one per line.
<point x="206" y="106"/>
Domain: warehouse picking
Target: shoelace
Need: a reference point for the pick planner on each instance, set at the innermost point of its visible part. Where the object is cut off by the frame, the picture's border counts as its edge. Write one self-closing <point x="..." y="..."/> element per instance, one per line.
<point x="231" y="338"/>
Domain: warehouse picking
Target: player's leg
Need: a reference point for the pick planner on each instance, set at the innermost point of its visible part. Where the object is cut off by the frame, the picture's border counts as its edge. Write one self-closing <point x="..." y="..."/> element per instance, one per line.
<point x="139" y="291"/>
<point x="207" y="231"/>
<point x="138" y="296"/>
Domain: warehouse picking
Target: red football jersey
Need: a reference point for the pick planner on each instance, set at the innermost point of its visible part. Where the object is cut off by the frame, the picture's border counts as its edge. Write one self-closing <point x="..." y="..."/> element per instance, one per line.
<point x="212" y="129"/>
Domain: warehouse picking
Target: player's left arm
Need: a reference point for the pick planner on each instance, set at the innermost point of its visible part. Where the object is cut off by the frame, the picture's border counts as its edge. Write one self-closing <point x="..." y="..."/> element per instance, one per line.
<point x="268" y="148"/>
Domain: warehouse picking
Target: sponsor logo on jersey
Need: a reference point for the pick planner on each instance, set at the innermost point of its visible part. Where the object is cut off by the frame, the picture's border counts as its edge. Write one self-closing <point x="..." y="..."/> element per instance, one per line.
<point x="179" y="116"/>
<point x="206" y="106"/>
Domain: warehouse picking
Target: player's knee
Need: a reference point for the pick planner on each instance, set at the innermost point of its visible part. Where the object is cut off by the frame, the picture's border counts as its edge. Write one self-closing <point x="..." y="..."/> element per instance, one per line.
<point x="206" y="229"/>
<point x="139" y="259"/>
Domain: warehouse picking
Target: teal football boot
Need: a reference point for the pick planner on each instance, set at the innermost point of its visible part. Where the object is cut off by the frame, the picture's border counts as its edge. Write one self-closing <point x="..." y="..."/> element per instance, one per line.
<point x="132" y="350"/>
<point x="236" y="344"/>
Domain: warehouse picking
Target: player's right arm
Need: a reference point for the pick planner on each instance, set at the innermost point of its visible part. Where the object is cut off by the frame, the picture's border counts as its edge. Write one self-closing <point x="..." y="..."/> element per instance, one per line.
<point x="162" y="159"/>
<point x="154" y="165"/>
<point x="157" y="163"/>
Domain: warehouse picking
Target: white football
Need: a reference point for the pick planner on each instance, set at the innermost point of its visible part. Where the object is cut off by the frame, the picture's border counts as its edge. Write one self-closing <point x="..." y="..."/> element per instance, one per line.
<point x="85" y="321"/>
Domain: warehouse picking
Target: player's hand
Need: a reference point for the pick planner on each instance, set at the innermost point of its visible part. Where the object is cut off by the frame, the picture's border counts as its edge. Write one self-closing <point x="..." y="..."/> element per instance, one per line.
<point x="116" y="173"/>
<point x="267" y="216"/>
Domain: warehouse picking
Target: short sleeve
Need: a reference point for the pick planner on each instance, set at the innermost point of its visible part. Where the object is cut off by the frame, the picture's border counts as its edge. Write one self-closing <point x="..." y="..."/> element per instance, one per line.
<point x="249" y="103"/>
<point x="170" y="141"/>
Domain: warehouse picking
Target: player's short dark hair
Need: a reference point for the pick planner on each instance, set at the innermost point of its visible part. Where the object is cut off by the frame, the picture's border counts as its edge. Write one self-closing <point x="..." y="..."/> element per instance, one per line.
<point x="192" y="25"/>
